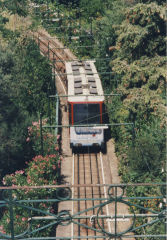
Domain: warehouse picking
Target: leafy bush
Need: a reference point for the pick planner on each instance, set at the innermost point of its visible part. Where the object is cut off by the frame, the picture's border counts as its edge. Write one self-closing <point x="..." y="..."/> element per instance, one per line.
<point x="41" y="170"/>
<point x="34" y="138"/>
<point x="145" y="156"/>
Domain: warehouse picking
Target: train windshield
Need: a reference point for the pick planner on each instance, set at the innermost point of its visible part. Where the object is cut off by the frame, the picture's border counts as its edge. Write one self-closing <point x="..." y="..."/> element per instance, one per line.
<point x="86" y="113"/>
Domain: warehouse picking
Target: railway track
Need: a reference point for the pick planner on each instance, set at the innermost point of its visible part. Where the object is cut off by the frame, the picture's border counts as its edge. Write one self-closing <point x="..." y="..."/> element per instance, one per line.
<point x="55" y="52"/>
<point x="89" y="170"/>
<point x="87" y="167"/>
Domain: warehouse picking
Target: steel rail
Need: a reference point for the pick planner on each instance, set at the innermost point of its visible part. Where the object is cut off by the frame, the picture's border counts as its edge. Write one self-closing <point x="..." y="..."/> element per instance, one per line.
<point x="46" y="44"/>
<point x="53" y="43"/>
<point x="91" y="178"/>
<point x="78" y="205"/>
<point x="88" y="171"/>
<point x="55" y="56"/>
<point x="50" y="50"/>
<point x="46" y="52"/>
<point x="100" y="191"/>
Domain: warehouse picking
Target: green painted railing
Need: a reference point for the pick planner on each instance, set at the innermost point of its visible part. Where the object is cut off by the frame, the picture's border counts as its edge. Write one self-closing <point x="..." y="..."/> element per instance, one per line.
<point x="39" y="218"/>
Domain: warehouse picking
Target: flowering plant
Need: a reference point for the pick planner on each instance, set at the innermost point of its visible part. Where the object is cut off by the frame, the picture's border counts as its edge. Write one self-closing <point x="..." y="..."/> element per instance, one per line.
<point x="41" y="170"/>
<point x="34" y="139"/>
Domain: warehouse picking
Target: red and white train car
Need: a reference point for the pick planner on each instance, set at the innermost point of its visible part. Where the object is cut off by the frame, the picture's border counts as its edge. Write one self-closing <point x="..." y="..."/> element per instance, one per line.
<point x="86" y="104"/>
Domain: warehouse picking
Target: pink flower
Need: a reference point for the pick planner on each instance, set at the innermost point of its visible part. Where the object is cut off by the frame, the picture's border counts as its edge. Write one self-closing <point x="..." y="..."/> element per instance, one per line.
<point x="29" y="130"/>
<point x="24" y="219"/>
<point x="19" y="172"/>
<point x="28" y="139"/>
<point x="35" y="123"/>
<point x="54" y="182"/>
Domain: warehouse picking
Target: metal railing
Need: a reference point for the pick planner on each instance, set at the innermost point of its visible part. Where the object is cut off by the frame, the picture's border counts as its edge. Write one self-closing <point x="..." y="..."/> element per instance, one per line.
<point x="39" y="218"/>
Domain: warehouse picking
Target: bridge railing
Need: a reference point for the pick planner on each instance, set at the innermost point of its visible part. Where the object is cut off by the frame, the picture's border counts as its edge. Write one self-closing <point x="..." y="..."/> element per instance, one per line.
<point x="23" y="216"/>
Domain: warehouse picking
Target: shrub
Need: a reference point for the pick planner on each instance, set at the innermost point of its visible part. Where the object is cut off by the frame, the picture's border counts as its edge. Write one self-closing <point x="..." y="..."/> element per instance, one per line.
<point x="41" y="170"/>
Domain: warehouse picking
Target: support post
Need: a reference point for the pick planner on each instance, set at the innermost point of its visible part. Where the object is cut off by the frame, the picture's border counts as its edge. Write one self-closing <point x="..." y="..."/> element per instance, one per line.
<point x="49" y="112"/>
<point x="116" y="212"/>
<point x="54" y="78"/>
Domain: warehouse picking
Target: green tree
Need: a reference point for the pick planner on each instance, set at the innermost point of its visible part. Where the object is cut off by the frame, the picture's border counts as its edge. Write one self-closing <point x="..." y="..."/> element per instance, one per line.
<point x="19" y="7"/>
<point x="12" y="119"/>
<point x="138" y="58"/>
<point x="148" y="153"/>
<point x="33" y="77"/>
<point x="24" y="80"/>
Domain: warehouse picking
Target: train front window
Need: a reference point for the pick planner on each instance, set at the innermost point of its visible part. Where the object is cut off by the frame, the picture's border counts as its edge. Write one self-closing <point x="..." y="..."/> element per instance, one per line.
<point x="86" y="113"/>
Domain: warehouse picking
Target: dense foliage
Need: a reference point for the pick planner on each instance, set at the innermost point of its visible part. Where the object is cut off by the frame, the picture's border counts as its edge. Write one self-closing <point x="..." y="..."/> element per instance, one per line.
<point x="41" y="170"/>
<point x="25" y="77"/>
<point x="25" y="83"/>
<point x="139" y="58"/>
<point x="15" y="7"/>
<point x="24" y="87"/>
<point x="131" y="34"/>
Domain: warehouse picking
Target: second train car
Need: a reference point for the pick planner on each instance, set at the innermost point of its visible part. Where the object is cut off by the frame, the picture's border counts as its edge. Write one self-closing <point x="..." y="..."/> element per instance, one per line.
<point x="85" y="104"/>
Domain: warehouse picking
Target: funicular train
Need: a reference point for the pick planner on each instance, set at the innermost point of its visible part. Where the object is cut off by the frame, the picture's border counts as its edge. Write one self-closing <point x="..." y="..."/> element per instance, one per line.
<point x="85" y="104"/>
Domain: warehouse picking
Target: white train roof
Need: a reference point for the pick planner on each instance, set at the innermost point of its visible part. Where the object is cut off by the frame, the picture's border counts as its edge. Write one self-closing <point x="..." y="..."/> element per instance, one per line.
<point x="83" y="79"/>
